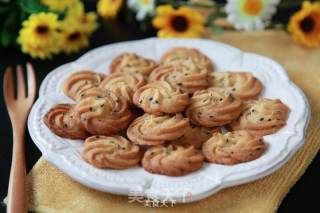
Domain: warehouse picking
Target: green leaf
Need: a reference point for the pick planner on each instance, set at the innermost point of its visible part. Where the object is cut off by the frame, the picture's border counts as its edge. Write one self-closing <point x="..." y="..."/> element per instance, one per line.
<point x="33" y="6"/>
<point x="23" y="15"/>
<point x="5" y="8"/>
<point x="5" y="1"/>
<point x="217" y="30"/>
<point x="213" y="16"/>
<point x="9" y="29"/>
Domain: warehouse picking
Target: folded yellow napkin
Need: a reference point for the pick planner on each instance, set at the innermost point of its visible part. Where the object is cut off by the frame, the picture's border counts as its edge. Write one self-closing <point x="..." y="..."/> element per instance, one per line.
<point x="52" y="191"/>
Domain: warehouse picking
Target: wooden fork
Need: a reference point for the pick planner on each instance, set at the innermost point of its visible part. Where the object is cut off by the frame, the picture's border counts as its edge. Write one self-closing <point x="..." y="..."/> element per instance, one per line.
<point x="18" y="109"/>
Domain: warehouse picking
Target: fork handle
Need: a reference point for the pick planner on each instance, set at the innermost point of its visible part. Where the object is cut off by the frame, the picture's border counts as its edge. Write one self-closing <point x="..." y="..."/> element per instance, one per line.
<point x="17" y="195"/>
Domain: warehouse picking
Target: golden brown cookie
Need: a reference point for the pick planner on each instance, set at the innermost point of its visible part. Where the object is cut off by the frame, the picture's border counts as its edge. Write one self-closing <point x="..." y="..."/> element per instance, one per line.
<point x="132" y="63"/>
<point x="241" y="84"/>
<point x="233" y="147"/>
<point x="63" y="121"/>
<point x="196" y="136"/>
<point x="186" y="57"/>
<point x="80" y="82"/>
<point x="123" y="84"/>
<point x="213" y="107"/>
<point x="160" y="97"/>
<point x="114" y="152"/>
<point x="103" y="113"/>
<point x="187" y="78"/>
<point x="155" y="130"/>
<point x="172" y="160"/>
<point x="262" y="117"/>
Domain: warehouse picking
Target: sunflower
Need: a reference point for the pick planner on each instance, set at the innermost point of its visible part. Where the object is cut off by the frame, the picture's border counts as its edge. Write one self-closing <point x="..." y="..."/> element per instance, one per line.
<point x="72" y="39"/>
<point x="109" y="8"/>
<point x="87" y="22"/>
<point x="305" y="25"/>
<point x="39" y="35"/>
<point x="59" y="4"/>
<point x="181" y="22"/>
<point x="250" y="15"/>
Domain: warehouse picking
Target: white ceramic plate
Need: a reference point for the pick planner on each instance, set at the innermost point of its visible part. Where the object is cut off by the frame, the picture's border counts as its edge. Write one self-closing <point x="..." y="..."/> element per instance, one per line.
<point x="66" y="154"/>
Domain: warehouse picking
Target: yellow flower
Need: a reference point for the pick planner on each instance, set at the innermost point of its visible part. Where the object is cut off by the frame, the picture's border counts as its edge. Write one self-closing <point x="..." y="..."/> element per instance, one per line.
<point x="181" y="22"/>
<point x="38" y="36"/>
<point x="109" y="8"/>
<point x="86" y="22"/>
<point x="72" y="40"/>
<point x="305" y="25"/>
<point x="59" y="4"/>
<point x="76" y="9"/>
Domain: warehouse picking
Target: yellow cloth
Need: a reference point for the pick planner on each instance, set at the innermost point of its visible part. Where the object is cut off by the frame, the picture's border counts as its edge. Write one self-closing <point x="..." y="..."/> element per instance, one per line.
<point x="51" y="191"/>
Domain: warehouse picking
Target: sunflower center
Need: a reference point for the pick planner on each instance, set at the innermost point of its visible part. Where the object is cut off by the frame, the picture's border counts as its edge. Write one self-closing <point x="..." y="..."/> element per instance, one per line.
<point x="84" y="19"/>
<point x="42" y="29"/>
<point x="307" y="24"/>
<point x="179" y="23"/>
<point x="252" y="7"/>
<point x="74" y="36"/>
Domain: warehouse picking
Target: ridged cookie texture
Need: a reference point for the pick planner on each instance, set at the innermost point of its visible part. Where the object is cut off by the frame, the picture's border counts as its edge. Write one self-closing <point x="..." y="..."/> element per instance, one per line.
<point x="81" y="81"/>
<point x="172" y="160"/>
<point x="196" y="136"/>
<point x="241" y="84"/>
<point x="123" y="84"/>
<point x="160" y="97"/>
<point x="213" y="107"/>
<point x="132" y="63"/>
<point x="114" y="152"/>
<point x="64" y="122"/>
<point x="262" y="117"/>
<point x="186" y="78"/>
<point x="103" y="112"/>
<point x="233" y="147"/>
<point x="155" y="130"/>
<point x="187" y="57"/>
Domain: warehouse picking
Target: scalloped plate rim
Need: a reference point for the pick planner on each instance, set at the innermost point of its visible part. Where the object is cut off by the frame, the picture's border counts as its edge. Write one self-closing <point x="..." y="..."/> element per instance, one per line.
<point x="59" y="162"/>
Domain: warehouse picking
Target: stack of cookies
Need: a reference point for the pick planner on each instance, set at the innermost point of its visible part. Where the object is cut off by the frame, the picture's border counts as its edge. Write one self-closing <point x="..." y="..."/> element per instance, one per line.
<point x="168" y="116"/>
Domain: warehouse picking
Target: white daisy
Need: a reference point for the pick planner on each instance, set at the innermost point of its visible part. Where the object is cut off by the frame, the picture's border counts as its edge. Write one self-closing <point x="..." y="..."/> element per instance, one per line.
<point x="143" y="8"/>
<point x="250" y="15"/>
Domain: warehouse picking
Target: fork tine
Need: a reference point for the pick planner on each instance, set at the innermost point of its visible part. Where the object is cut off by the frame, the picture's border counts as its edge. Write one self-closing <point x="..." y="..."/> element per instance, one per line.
<point x="8" y="85"/>
<point x="31" y="81"/>
<point x="21" y="91"/>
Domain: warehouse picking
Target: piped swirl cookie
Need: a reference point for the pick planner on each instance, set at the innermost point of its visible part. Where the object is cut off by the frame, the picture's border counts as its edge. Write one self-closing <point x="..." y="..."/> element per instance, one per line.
<point x="241" y="84"/>
<point x="233" y="147"/>
<point x="103" y="112"/>
<point x="196" y="136"/>
<point x="132" y="63"/>
<point x="213" y="107"/>
<point x="80" y="82"/>
<point x="64" y="122"/>
<point x="160" y="97"/>
<point x="187" y="57"/>
<point x="154" y="130"/>
<point x="187" y="78"/>
<point x="114" y="152"/>
<point x="262" y="117"/>
<point x="172" y="160"/>
<point x="123" y="84"/>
